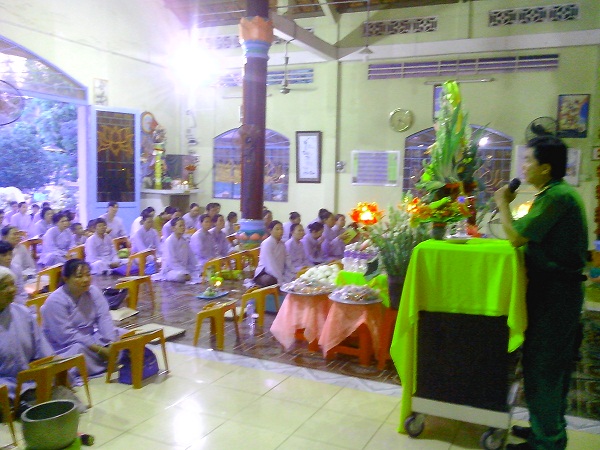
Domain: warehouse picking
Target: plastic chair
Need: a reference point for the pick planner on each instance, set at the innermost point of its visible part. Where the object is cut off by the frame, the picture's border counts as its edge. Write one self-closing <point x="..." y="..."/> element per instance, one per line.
<point x="37" y="301"/>
<point x="215" y="311"/>
<point x="31" y="245"/>
<point x="47" y="371"/>
<point x="121" y="242"/>
<point x="6" y="412"/>
<point x="216" y="265"/>
<point x="53" y="273"/>
<point x="253" y="254"/>
<point x="133" y="284"/>
<point x="141" y="261"/>
<point x="135" y="344"/>
<point x="386" y="333"/>
<point x="259" y="295"/>
<point x="77" y="252"/>
<point x="358" y="344"/>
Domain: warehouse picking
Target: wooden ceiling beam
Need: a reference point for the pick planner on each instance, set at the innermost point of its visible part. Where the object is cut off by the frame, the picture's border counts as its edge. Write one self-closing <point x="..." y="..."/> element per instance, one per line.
<point x="288" y="30"/>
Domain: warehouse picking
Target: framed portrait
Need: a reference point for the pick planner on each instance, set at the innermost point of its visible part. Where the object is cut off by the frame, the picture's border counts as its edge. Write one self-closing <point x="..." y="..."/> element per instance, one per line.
<point x="573" y="112"/>
<point x="308" y="156"/>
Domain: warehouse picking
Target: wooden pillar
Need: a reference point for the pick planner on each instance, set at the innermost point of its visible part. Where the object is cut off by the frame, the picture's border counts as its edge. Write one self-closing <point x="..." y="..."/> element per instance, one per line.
<point x="256" y="36"/>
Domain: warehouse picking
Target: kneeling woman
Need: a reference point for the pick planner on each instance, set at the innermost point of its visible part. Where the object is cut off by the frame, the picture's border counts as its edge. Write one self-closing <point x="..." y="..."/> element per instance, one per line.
<point x="76" y="318"/>
<point x="274" y="266"/>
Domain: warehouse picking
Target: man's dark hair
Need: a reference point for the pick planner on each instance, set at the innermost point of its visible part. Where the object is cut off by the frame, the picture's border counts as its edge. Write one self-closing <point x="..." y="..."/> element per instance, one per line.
<point x="315" y="226"/>
<point x="71" y="266"/>
<point x="231" y="215"/>
<point x="272" y="224"/>
<point x="550" y="150"/>
<point x="56" y="217"/>
<point x="294" y="215"/>
<point x="7" y="229"/>
<point x="5" y="247"/>
<point x="324" y="214"/>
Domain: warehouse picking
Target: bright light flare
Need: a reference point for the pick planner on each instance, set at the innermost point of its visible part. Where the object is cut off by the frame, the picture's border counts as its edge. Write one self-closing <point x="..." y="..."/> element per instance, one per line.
<point x="194" y="65"/>
<point x="483" y="141"/>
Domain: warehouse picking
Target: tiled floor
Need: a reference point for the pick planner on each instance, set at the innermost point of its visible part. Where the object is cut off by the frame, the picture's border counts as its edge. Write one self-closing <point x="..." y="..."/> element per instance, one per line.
<point x="256" y="395"/>
<point x="215" y="400"/>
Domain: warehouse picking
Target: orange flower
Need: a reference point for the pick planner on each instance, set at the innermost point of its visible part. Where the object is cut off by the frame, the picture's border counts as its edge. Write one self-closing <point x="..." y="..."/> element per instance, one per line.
<point x="366" y="213"/>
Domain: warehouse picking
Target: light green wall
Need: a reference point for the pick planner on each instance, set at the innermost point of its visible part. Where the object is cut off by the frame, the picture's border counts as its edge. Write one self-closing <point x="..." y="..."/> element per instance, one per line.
<point x="128" y="43"/>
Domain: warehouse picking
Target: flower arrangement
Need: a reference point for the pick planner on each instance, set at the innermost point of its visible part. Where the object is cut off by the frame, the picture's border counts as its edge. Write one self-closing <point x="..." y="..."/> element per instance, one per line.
<point x="190" y="167"/>
<point x="366" y="214"/>
<point x="444" y="210"/>
<point x="396" y="237"/>
<point x="454" y="155"/>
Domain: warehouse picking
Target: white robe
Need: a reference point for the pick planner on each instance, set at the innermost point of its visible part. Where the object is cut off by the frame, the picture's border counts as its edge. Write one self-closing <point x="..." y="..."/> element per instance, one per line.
<point x="100" y="253"/>
<point x="178" y="259"/>
<point x="55" y="246"/>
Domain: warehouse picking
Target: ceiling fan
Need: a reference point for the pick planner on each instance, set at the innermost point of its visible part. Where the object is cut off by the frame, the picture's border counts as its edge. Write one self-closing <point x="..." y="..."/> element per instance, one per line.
<point x="285" y="82"/>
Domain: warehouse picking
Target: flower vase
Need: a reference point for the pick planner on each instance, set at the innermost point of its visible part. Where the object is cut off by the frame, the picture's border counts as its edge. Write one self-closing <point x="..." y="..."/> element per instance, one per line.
<point x="191" y="180"/>
<point x="438" y="230"/>
<point x="395" y="285"/>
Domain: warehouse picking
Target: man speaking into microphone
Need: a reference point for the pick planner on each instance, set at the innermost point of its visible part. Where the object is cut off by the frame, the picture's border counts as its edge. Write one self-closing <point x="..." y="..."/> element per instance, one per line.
<point x="554" y="233"/>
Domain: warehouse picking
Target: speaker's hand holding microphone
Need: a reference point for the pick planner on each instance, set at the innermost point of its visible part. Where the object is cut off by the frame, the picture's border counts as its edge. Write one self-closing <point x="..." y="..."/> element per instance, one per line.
<point x="506" y="194"/>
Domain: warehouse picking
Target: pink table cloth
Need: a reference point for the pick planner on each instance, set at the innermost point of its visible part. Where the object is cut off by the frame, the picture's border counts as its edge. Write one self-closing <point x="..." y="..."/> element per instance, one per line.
<point x="343" y="319"/>
<point x="297" y="312"/>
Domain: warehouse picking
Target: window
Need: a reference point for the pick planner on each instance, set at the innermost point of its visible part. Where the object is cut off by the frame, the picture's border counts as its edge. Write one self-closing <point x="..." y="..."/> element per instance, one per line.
<point x="227" y="166"/>
<point x="495" y="151"/>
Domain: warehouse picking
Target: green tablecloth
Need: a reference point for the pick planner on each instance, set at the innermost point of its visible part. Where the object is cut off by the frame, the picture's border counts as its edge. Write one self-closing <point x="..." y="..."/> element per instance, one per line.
<point x="482" y="276"/>
<point x="379" y="282"/>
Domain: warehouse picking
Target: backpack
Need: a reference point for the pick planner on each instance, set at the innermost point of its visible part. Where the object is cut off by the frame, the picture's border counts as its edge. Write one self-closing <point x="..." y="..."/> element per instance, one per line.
<point x="150" y="366"/>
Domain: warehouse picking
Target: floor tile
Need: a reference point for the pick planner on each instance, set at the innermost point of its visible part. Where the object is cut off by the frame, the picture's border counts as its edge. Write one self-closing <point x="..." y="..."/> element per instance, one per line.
<point x="217" y="401"/>
<point x="202" y="371"/>
<point x="277" y="415"/>
<point x="364" y="404"/>
<point x="251" y="380"/>
<point x="177" y="426"/>
<point x="303" y="391"/>
<point x="122" y="412"/>
<point x="298" y="443"/>
<point x="233" y="435"/>
<point x="168" y="390"/>
<point x="387" y="437"/>
<point x="128" y="441"/>
<point x="340" y="429"/>
<point x="102" y="434"/>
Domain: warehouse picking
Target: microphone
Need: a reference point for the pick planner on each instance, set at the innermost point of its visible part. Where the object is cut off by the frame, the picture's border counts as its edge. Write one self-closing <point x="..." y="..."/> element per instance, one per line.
<point x="512" y="187"/>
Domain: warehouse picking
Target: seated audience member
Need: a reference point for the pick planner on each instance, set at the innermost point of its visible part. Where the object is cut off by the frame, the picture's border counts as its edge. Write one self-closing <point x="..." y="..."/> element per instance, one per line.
<point x="267" y="216"/>
<point x="38" y="215"/>
<point x="312" y="243"/>
<point x="137" y="223"/>
<point x="40" y="227"/>
<point x="146" y="238"/>
<point x="21" y="255"/>
<point x="295" y="249"/>
<point x="222" y="245"/>
<point x="167" y="229"/>
<point x="21" y="340"/>
<point x="76" y="318"/>
<point x="338" y="244"/>
<point x="69" y="214"/>
<point x="91" y="228"/>
<point x="21" y="219"/>
<point x="203" y="243"/>
<point x="163" y="218"/>
<point x="6" y="255"/>
<point x="328" y="235"/>
<point x="287" y="227"/>
<point x="178" y="261"/>
<point x="191" y="218"/>
<point x="322" y="215"/>
<point x="2" y="222"/>
<point x="57" y="241"/>
<point x="212" y="209"/>
<point x="274" y="266"/>
<point x="79" y="234"/>
<point x="114" y="224"/>
<point x="230" y="224"/>
<point x="12" y="210"/>
<point x="100" y="252"/>
<point x="35" y="213"/>
<point x="340" y="224"/>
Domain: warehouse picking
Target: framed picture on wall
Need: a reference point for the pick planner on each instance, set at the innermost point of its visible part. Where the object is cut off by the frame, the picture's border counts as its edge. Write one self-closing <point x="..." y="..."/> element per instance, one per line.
<point x="308" y="156"/>
<point x="573" y="112"/>
<point x="573" y="165"/>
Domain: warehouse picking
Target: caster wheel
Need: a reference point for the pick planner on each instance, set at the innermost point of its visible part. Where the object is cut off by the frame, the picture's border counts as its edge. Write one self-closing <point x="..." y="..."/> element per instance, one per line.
<point x="492" y="439"/>
<point x="414" y="425"/>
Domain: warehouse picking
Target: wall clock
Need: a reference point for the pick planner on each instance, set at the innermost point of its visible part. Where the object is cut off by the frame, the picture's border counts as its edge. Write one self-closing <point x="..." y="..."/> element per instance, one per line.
<point x="401" y="119"/>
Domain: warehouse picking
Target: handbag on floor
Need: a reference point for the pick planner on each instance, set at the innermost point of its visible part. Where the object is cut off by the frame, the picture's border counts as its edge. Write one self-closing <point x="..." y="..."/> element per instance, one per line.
<point x="115" y="297"/>
<point x="150" y="366"/>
